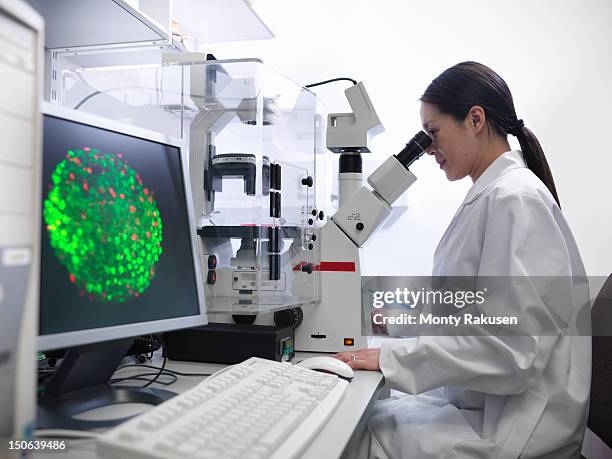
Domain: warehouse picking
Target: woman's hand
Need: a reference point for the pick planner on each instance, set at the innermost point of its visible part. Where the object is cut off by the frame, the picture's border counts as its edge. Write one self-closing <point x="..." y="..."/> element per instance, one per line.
<point x="362" y="359"/>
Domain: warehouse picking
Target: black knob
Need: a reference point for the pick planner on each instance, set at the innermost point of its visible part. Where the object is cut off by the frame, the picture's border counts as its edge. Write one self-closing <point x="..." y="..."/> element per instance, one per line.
<point x="211" y="278"/>
<point x="246" y="319"/>
<point x="359" y="226"/>
<point x="310" y="221"/>
<point x="321" y="215"/>
<point x="289" y="318"/>
<point x="310" y="246"/>
<point x="212" y="261"/>
<point x="307" y="268"/>
<point x="307" y="181"/>
<point x="314" y="212"/>
<point x="313" y="237"/>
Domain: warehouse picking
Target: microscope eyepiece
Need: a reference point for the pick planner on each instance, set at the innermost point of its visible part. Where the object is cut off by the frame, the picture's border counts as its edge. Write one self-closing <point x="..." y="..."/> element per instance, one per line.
<point x="414" y="149"/>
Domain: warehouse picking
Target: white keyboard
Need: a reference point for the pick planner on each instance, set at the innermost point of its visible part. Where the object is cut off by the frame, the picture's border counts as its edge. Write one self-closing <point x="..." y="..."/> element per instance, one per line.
<point x="256" y="409"/>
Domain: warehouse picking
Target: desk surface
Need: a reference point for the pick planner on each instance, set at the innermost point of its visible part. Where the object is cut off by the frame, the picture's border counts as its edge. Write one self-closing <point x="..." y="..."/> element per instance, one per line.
<point x="362" y="391"/>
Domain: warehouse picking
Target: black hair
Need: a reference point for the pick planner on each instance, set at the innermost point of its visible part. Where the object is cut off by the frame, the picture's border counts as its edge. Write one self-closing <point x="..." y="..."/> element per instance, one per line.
<point x="467" y="84"/>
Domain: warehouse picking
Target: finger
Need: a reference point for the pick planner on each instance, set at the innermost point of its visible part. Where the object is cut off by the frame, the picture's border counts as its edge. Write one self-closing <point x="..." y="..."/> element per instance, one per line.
<point x="344" y="357"/>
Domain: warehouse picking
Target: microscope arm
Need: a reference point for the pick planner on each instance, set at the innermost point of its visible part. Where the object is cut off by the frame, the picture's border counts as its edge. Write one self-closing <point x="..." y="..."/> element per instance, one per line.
<point x="368" y="209"/>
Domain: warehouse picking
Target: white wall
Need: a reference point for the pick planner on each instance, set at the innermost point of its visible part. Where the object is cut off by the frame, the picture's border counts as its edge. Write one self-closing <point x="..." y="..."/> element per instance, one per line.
<point x="556" y="56"/>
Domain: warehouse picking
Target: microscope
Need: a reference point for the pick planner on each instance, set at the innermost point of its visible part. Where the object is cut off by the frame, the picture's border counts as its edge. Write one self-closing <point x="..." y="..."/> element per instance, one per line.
<point x="268" y="254"/>
<point x="335" y="324"/>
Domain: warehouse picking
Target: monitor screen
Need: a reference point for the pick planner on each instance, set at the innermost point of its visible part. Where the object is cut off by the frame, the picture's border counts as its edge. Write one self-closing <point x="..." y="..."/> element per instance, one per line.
<point x="116" y="242"/>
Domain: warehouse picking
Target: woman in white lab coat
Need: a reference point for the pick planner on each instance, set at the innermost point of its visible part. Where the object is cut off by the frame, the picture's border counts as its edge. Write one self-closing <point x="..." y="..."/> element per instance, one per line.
<point x="487" y="396"/>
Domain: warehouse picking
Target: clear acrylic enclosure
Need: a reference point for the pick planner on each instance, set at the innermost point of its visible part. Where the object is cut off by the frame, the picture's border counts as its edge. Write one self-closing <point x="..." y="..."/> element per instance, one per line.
<point x="253" y="138"/>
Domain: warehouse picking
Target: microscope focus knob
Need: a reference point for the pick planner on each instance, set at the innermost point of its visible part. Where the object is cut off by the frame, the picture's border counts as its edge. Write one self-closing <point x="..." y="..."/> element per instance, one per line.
<point x="289" y="317"/>
<point x="359" y="226"/>
<point x="321" y="215"/>
<point x="307" y="268"/>
<point x="307" y="181"/>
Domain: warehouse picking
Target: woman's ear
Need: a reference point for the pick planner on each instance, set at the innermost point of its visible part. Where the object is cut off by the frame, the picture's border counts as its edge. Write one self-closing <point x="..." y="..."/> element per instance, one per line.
<point x="476" y="118"/>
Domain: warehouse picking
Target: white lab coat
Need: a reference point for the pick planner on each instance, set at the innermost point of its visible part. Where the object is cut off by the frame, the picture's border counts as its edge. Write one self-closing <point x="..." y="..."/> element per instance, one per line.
<point x="488" y="396"/>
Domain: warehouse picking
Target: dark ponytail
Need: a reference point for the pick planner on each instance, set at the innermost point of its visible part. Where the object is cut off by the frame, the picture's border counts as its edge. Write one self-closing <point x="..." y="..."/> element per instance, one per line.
<point x="464" y="85"/>
<point x="535" y="159"/>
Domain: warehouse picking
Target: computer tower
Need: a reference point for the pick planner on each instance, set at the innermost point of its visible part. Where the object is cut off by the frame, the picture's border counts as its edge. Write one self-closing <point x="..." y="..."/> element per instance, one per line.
<point x="21" y="70"/>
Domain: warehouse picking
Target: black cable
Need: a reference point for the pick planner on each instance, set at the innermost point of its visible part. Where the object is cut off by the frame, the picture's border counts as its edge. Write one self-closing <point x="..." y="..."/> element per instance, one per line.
<point x="138" y="378"/>
<point x="142" y="377"/>
<point x="166" y="370"/>
<point x="161" y="370"/>
<point x="312" y="85"/>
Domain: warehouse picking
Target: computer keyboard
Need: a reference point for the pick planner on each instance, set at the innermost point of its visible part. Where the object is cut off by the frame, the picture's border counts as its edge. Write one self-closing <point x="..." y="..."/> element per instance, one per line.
<point x="256" y="409"/>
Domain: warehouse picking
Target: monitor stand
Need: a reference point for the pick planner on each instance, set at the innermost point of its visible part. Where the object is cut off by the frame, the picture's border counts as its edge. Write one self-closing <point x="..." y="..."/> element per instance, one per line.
<point x="81" y="384"/>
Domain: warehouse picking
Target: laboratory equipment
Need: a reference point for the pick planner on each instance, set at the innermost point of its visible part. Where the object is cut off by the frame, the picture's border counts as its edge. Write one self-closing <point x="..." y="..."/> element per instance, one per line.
<point x="255" y="409"/>
<point x="119" y="256"/>
<point x="230" y="343"/>
<point x="335" y="323"/>
<point x="252" y="165"/>
<point x="329" y="365"/>
<point x="21" y="68"/>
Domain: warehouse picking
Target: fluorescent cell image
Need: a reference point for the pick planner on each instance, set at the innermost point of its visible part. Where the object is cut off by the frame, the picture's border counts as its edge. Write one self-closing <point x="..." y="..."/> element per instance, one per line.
<point x="103" y="225"/>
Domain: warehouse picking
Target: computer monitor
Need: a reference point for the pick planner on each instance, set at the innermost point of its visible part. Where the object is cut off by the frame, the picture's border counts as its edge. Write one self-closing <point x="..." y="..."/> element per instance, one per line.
<point x="119" y="253"/>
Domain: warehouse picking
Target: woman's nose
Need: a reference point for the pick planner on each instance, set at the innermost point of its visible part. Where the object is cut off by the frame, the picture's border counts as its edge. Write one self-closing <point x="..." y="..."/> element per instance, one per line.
<point x="431" y="150"/>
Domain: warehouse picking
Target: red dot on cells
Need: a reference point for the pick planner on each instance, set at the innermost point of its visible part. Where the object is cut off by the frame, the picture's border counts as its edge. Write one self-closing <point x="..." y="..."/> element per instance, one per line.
<point x="134" y="237"/>
<point x="146" y="191"/>
<point x="155" y="224"/>
<point x="71" y="175"/>
<point x="72" y="278"/>
<point x="122" y="196"/>
<point x="85" y="186"/>
<point x="86" y="148"/>
<point x="132" y="209"/>
<point x="148" y="234"/>
<point x="120" y="155"/>
<point x="141" y="199"/>
<point x="83" y="215"/>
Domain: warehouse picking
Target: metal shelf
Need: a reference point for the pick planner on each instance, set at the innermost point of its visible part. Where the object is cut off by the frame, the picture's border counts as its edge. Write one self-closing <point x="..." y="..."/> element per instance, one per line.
<point x="75" y="23"/>
<point x="106" y="23"/>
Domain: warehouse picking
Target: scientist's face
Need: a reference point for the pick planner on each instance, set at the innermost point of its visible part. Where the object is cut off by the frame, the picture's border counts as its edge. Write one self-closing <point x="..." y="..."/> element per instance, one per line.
<point x="453" y="146"/>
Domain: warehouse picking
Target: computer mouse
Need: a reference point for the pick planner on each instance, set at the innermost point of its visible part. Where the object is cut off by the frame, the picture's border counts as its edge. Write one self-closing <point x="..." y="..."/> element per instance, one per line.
<point x="328" y="365"/>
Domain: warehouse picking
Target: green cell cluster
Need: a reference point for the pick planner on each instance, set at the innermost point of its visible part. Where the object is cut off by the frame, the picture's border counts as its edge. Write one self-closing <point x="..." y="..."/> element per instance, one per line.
<point x="103" y="224"/>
